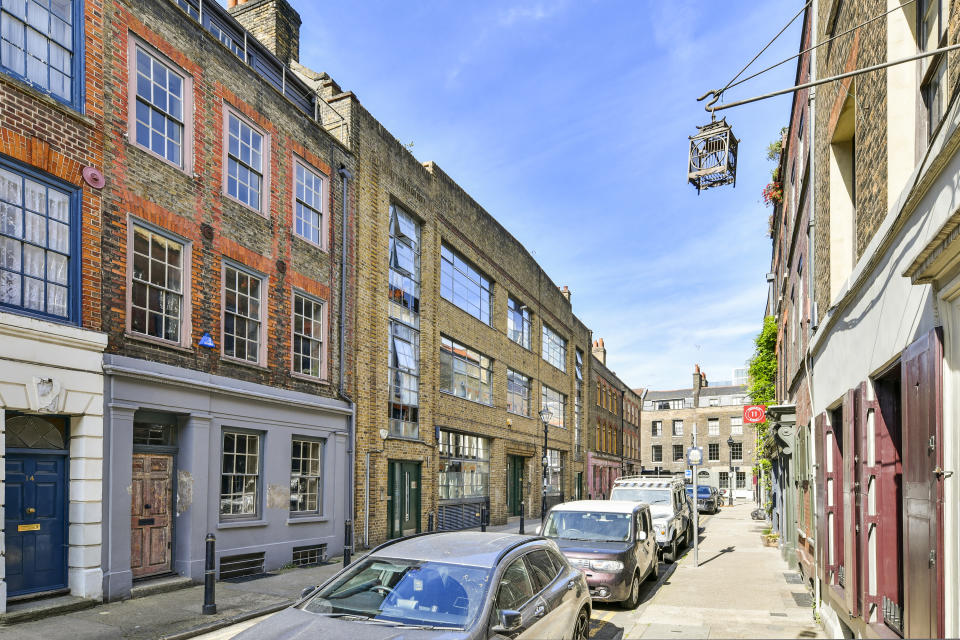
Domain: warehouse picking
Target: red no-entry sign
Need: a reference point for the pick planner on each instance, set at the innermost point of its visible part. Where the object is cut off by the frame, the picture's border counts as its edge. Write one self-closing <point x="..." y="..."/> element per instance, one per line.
<point x="754" y="413"/>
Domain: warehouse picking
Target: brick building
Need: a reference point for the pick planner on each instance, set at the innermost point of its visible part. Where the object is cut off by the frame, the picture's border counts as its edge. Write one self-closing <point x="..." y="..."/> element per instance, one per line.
<point x="51" y="385"/>
<point x="461" y="340"/>
<point x="613" y="437"/>
<point x="223" y="290"/>
<point x="672" y="421"/>
<point x="878" y="324"/>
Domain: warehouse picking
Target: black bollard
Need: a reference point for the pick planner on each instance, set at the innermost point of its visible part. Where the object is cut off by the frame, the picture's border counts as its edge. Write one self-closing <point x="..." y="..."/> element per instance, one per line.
<point x="430" y="522"/>
<point x="483" y="517"/>
<point x="522" y="509"/>
<point x="210" y="576"/>
<point x="347" y="541"/>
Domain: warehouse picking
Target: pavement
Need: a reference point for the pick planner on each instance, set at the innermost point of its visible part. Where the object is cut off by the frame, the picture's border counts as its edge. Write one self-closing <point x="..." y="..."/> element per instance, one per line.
<point x="175" y="614"/>
<point x="741" y="589"/>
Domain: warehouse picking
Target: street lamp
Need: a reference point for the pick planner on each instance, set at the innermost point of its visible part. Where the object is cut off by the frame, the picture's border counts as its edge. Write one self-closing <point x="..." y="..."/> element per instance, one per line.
<point x="545" y="416"/>
<point x="730" y="478"/>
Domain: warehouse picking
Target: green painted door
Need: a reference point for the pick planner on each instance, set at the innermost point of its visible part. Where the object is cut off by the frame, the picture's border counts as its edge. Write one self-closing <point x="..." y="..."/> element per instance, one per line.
<point x="403" y="504"/>
<point x="514" y="484"/>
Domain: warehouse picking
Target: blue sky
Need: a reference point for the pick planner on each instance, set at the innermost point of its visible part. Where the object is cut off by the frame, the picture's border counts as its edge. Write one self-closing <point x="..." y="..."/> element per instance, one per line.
<point x="569" y="122"/>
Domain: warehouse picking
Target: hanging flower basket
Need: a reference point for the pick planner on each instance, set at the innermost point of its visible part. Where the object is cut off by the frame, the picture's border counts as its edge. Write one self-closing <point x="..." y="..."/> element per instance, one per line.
<point x="773" y="193"/>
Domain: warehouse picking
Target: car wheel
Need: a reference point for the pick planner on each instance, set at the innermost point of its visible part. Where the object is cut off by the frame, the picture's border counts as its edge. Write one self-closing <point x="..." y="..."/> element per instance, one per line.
<point x="582" y="629"/>
<point x="670" y="555"/>
<point x="634" y="597"/>
<point x="654" y="574"/>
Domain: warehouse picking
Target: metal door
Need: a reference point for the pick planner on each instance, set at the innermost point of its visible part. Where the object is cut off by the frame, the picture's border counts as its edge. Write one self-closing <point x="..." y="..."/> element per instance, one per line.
<point x="150" y="522"/>
<point x="922" y="488"/>
<point x="514" y="484"/>
<point x="35" y="523"/>
<point x="403" y="487"/>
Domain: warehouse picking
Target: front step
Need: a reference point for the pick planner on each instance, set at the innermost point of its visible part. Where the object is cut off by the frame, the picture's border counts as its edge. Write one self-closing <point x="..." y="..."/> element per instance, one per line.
<point x="44" y="608"/>
<point x="160" y="585"/>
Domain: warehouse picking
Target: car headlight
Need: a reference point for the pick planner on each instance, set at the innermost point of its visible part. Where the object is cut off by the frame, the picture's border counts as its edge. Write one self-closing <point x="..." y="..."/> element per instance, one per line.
<point x="606" y="565"/>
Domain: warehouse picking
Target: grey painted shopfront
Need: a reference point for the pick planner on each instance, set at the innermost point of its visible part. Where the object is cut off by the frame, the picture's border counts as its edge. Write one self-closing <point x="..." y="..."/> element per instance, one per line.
<point x="188" y="453"/>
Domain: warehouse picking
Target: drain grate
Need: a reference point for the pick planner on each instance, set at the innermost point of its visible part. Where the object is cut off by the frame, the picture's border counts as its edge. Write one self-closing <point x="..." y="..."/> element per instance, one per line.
<point x="792" y="577"/>
<point x="802" y="599"/>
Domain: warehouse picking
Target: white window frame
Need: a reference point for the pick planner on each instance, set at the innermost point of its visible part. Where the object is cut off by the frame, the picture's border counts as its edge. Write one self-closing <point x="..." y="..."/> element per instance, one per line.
<point x="186" y="309"/>
<point x="261" y="317"/>
<point x="317" y="206"/>
<point x="264" y="204"/>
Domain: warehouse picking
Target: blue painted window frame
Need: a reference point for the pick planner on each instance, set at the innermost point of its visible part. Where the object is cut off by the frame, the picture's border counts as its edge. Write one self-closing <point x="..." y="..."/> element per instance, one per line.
<point x="78" y="65"/>
<point x="74" y="293"/>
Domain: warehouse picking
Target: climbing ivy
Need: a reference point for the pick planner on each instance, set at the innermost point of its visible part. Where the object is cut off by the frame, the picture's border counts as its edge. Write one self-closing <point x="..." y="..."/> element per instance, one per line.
<point x="763" y="389"/>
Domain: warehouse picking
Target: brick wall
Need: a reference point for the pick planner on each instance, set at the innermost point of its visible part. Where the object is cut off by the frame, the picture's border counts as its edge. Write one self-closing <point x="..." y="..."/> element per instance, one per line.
<point x="43" y="133"/>
<point x="144" y="187"/>
<point x="387" y="173"/>
<point x="274" y="23"/>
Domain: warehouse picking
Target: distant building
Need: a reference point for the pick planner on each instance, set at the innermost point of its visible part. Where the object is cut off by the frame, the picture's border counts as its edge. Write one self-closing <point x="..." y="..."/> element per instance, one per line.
<point x="741" y="376"/>
<point x="671" y="421"/>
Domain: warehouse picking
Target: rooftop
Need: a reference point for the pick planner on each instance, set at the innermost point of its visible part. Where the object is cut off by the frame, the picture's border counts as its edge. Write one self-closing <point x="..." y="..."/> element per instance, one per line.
<point x="470" y="548"/>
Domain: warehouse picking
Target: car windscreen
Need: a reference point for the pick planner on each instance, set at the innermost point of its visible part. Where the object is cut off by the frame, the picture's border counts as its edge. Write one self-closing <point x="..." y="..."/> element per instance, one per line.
<point x="702" y="492"/>
<point x="641" y="494"/>
<point x="594" y="526"/>
<point x="400" y="592"/>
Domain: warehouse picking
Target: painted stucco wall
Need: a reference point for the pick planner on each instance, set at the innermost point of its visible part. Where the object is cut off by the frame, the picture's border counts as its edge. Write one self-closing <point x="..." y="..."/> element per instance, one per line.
<point x="206" y="405"/>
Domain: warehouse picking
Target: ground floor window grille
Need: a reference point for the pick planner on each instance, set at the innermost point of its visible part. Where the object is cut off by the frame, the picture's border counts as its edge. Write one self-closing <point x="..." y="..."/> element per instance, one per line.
<point x="311" y="555"/>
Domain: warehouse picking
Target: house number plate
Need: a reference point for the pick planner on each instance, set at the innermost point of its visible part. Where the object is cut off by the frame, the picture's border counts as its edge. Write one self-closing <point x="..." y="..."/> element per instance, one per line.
<point x="29" y="527"/>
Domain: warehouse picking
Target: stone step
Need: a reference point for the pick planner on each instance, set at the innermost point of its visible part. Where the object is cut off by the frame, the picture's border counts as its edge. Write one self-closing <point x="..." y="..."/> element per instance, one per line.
<point x="160" y="585"/>
<point x="44" y="608"/>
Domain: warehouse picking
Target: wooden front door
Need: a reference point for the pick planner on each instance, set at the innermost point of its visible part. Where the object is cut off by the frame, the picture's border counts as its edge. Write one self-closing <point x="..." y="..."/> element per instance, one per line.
<point x="150" y="522"/>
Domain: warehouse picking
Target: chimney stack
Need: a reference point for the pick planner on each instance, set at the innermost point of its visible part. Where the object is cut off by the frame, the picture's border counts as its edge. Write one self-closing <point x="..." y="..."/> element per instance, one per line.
<point x="699" y="382"/>
<point x="599" y="351"/>
<point x="566" y="292"/>
<point x="273" y="22"/>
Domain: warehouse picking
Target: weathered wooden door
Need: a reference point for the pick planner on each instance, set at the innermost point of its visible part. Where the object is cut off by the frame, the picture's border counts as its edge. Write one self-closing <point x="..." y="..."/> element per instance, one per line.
<point x="150" y="522"/>
<point x="922" y="487"/>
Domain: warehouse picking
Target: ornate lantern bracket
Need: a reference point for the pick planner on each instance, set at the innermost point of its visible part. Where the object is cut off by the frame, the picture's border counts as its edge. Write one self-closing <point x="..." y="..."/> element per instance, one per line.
<point x="713" y="156"/>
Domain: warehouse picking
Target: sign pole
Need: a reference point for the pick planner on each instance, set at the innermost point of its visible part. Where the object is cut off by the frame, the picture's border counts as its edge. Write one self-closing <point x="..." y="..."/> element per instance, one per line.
<point x="695" y="459"/>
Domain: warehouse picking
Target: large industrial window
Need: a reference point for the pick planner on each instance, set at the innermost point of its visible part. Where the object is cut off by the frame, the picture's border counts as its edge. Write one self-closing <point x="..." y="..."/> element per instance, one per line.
<point x="518" y="393"/>
<point x="404" y="380"/>
<point x="463" y="285"/>
<point x="518" y="322"/>
<point x="38" y="235"/>
<point x="554" y="348"/>
<point x="556" y="402"/>
<point x="306" y="481"/>
<point x="404" y="267"/>
<point x="156" y="296"/>
<point x="464" y="465"/>
<point x="240" y="475"/>
<point x="465" y="373"/>
<point x="39" y="43"/>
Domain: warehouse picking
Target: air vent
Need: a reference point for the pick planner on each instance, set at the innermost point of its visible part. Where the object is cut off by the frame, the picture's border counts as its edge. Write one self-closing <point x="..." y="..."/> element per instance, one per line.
<point x="241" y="566"/>
<point x="310" y="555"/>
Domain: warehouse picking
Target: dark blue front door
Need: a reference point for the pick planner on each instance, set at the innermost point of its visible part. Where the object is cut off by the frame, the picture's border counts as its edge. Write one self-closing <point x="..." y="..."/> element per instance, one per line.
<point x="35" y="531"/>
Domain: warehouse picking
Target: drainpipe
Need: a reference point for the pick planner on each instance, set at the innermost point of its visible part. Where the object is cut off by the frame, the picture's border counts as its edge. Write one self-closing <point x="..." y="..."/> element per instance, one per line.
<point x="345" y="177"/>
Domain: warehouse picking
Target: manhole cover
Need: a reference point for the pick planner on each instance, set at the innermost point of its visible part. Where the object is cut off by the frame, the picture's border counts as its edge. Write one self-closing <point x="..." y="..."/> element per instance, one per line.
<point x="802" y="599"/>
<point x="792" y="577"/>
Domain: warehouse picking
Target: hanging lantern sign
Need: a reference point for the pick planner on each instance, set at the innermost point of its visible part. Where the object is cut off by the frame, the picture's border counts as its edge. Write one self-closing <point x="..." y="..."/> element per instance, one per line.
<point x="713" y="156"/>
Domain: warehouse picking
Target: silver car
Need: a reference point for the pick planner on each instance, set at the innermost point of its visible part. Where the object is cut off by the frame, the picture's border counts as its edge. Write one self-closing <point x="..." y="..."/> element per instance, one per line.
<point x="449" y="586"/>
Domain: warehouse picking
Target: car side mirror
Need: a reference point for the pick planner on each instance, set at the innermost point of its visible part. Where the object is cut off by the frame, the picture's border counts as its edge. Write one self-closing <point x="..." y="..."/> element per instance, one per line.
<point x="641" y="535"/>
<point x="509" y="621"/>
<point x="307" y="591"/>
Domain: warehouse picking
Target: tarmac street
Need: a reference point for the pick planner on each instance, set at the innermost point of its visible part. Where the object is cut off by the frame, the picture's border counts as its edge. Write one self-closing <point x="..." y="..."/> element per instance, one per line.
<point x="742" y="589"/>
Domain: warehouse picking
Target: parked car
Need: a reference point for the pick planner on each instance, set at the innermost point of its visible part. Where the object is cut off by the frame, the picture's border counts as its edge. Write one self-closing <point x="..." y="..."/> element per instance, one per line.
<point x="708" y="498"/>
<point x="671" y="509"/>
<point x="611" y="542"/>
<point x="450" y="586"/>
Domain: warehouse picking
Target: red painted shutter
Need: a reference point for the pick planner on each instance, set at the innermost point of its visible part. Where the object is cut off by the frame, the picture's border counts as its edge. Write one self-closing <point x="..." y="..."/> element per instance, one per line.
<point x="848" y="531"/>
<point x="868" y="472"/>
<point x="921" y="369"/>
<point x="823" y="543"/>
